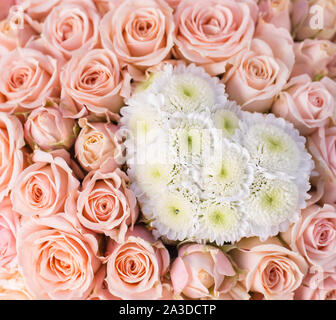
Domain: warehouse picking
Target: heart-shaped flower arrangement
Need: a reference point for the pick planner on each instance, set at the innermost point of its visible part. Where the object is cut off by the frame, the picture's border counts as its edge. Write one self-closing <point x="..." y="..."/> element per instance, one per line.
<point x="203" y="169"/>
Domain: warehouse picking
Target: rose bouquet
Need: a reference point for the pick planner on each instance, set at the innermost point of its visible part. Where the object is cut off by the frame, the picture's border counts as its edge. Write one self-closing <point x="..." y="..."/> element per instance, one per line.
<point x="168" y="150"/>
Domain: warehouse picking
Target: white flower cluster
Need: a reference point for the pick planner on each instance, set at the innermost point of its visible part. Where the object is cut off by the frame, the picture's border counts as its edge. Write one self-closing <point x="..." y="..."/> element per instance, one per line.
<point x="203" y="169"/>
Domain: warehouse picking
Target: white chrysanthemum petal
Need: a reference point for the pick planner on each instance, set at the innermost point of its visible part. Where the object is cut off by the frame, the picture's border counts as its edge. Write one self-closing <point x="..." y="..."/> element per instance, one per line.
<point x="272" y="202"/>
<point x="222" y="222"/>
<point x="276" y="146"/>
<point x="227" y="118"/>
<point x="189" y="89"/>
<point x="228" y="174"/>
<point x="174" y="215"/>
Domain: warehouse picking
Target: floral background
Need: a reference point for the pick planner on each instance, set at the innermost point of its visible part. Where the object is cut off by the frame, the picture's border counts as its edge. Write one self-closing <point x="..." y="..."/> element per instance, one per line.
<point x="70" y="226"/>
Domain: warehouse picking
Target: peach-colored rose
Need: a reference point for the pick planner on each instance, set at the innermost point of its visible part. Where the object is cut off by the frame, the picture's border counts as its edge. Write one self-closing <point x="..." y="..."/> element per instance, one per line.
<point x="46" y="128"/>
<point x="9" y="225"/>
<point x="314" y="19"/>
<point x="97" y="145"/>
<point x="106" y="204"/>
<point x="11" y="156"/>
<point x="139" y="32"/>
<point x="43" y="187"/>
<point x="198" y="269"/>
<point x="92" y="81"/>
<point x="38" y="9"/>
<point x="12" y="286"/>
<point x="8" y="35"/>
<point x="272" y="270"/>
<point x="70" y="26"/>
<point x="314" y="57"/>
<point x="318" y="286"/>
<point x="27" y="78"/>
<point x="260" y="72"/>
<point x="322" y="146"/>
<point x="210" y="34"/>
<point x="5" y="7"/>
<point x="307" y="104"/>
<point x="135" y="267"/>
<point x="276" y="12"/>
<point x="57" y="260"/>
<point x="314" y="236"/>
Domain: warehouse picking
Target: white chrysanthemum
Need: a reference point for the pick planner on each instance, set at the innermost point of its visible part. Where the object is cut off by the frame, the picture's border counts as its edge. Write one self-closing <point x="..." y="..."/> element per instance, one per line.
<point x="222" y="222"/>
<point x="189" y="89"/>
<point x="143" y="118"/>
<point x="190" y="137"/>
<point x="227" y="118"/>
<point x="275" y="145"/>
<point x="272" y="204"/>
<point x="228" y="173"/>
<point x="174" y="215"/>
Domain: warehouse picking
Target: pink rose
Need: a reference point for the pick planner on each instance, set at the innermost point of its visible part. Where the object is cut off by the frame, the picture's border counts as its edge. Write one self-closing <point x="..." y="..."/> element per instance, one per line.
<point x="276" y="12"/>
<point x="260" y="72"/>
<point x="92" y="81"/>
<point x="318" y="286"/>
<point x="27" y="78"/>
<point x="198" y="269"/>
<point x="11" y="156"/>
<point x="272" y="269"/>
<point x="38" y="9"/>
<point x="4" y="8"/>
<point x="46" y="128"/>
<point x="322" y="146"/>
<point x="8" y="36"/>
<point x="70" y="26"/>
<point x="314" y="236"/>
<point x="106" y="205"/>
<point x="314" y="57"/>
<point x="308" y="105"/>
<point x="210" y="34"/>
<point x="135" y="267"/>
<point x="97" y="145"/>
<point x="9" y="225"/>
<point x="43" y="187"/>
<point x="12" y="286"/>
<point x="57" y="260"/>
<point x="314" y="19"/>
<point x="139" y="32"/>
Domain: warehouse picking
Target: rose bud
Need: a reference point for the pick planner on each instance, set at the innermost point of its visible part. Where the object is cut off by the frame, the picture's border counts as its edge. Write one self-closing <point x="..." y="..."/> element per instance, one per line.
<point x="46" y="129"/>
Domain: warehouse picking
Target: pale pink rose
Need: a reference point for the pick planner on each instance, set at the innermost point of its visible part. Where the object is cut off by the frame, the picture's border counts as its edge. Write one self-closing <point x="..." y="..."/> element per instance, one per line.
<point x="45" y="128"/>
<point x="70" y="26"/>
<point x="139" y="32"/>
<point x="8" y="35"/>
<point x="11" y="156"/>
<point x="272" y="270"/>
<point x="307" y="104"/>
<point x="57" y="260"/>
<point x="318" y="286"/>
<point x="314" y="236"/>
<point x="314" y="19"/>
<point x="276" y="12"/>
<point x="9" y="226"/>
<point x="135" y="267"/>
<point x="322" y="146"/>
<point x="314" y="57"/>
<point x="97" y="145"/>
<point x="27" y="78"/>
<point x="210" y="34"/>
<point x="331" y="67"/>
<point x="12" y="286"/>
<point x="92" y="82"/>
<point x="202" y="272"/>
<point x="5" y="7"/>
<point x="43" y="188"/>
<point x="260" y="72"/>
<point x="100" y="290"/>
<point x="38" y="9"/>
<point x="106" y="204"/>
